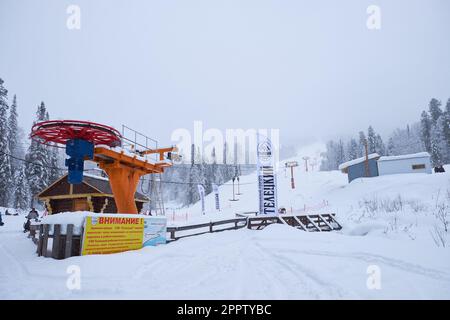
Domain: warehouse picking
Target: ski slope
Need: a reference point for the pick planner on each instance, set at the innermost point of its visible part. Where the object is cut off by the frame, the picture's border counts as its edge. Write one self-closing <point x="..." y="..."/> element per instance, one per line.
<point x="394" y="235"/>
<point x="276" y="263"/>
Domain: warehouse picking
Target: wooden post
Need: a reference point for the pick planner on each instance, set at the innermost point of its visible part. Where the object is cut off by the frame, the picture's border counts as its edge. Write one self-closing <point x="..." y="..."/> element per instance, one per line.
<point x="41" y="238"/>
<point x="211" y="226"/>
<point x="32" y="233"/>
<point x="367" y="158"/>
<point x="56" y="241"/>
<point x="292" y="178"/>
<point x="45" y="240"/>
<point x="81" y="241"/>
<point x="68" y="246"/>
<point x="306" y="163"/>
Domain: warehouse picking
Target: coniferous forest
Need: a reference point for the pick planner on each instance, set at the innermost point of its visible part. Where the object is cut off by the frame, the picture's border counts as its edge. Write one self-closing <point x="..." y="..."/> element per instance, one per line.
<point x="431" y="134"/>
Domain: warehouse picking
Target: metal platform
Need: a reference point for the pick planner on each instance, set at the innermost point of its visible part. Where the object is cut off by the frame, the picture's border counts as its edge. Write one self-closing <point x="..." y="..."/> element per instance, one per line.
<point x="308" y="223"/>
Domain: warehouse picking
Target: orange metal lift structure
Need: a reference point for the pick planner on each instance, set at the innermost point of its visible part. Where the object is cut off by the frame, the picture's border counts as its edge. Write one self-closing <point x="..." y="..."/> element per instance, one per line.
<point x="124" y="172"/>
<point x="123" y="169"/>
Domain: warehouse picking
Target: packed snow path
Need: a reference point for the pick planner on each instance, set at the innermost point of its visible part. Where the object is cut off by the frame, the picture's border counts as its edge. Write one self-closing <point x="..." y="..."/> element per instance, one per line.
<point x="279" y="262"/>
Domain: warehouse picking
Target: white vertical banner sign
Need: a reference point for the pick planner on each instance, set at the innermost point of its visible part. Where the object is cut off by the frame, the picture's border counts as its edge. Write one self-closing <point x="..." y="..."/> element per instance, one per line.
<point x="267" y="179"/>
<point x="201" y="191"/>
<point x="216" y="196"/>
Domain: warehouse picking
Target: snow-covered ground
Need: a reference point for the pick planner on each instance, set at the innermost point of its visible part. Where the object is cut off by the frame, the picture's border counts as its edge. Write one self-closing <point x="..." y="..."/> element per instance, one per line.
<point x="390" y="225"/>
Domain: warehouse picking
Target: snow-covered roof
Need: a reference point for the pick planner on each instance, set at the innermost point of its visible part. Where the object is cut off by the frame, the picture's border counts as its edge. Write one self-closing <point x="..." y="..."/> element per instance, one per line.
<point x="359" y="160"/>
<point x="405" y="156"/>
<point x="95" y="176"/>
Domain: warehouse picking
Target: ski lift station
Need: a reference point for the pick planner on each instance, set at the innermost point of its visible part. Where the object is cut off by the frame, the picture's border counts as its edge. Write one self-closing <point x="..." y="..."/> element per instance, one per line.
<point x="409" y="163"/>
<point x="359" y="168"/>
<point x="378" y="166"/>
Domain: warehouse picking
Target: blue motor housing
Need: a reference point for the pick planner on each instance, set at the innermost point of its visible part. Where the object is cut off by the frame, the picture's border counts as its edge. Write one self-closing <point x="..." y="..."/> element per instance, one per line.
<point x="78" y="150"/>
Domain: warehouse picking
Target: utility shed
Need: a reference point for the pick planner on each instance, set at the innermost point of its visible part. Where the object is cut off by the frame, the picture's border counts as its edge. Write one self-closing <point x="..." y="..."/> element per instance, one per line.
<point x="357" y="168"/>
<point x="408" y="163"/>
<point x="93" y="194"/>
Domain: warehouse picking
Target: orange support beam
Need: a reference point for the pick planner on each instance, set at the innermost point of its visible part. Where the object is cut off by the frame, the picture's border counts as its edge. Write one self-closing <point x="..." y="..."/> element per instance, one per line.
<point x="124" y="182"/>
<point x="160" y="151"/>
<point x="124" y="172"/>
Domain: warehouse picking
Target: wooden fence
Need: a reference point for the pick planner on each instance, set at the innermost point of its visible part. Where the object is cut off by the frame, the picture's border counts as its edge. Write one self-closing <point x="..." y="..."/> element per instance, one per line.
<point x="62" y="245"/>
<point x="68" y="244"/>
<point x="258" y="223"/>
<point x="209" y="227"/>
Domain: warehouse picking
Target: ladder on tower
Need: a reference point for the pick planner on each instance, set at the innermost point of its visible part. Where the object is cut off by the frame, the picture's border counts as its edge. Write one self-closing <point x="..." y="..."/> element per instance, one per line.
<point x="156" y="195"/>
<point x="143" y="145"/>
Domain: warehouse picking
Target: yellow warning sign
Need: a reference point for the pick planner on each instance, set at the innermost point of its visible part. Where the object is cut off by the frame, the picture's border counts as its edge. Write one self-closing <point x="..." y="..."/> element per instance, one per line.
<point x="104" y="235"/>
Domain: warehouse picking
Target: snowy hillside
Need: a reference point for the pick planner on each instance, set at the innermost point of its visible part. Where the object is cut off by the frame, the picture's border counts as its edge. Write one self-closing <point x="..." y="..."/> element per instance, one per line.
<point x="390" y="223"/>
<point x="395" y="206"/>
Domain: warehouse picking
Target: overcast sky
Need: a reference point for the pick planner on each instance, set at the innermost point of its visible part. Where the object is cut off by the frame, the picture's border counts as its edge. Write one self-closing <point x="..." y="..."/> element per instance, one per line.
<point x="310" y="68"/>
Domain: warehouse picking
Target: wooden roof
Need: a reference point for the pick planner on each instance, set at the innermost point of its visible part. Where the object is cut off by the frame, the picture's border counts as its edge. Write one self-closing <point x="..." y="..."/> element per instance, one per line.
<point x="91" y="185"/>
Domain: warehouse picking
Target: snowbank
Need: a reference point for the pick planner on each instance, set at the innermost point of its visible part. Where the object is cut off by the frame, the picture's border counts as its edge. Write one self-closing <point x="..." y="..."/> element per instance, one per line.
<point x="278" y="262"/>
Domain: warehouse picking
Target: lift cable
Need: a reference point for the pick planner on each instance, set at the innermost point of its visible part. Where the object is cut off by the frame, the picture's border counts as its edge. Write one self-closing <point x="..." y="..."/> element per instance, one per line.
<point x="143" y="180"/>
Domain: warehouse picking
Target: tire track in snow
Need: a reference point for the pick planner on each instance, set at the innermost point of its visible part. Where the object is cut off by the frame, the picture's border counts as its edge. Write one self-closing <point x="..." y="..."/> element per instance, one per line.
<point x="11" y="272"/>
<point x="255" y="280"/>
<point x="18" y="268"/>
<point x="374" y="258"/>
<point x="312" y="283"/>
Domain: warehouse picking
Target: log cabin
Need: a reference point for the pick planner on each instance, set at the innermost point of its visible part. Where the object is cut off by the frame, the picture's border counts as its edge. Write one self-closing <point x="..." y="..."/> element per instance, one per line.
<point x="93" y="194"/>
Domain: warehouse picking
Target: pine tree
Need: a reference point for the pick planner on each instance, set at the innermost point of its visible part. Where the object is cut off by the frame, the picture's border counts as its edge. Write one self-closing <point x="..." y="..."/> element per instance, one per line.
<point x="54" y="170"/>
<point x="406" y="141"/>
<point x="352" y="149"/>
<point x="37" y="169"/>
<point x="340" y="154"/>
<point x="216" y="171"/>
<point x="5" y="160"/>
<point x="333" y="156"/>
<point x="371" y="140"/>
<point x="362" y="144"/>
<point x="227" y="168"/>
<point x="438" y="143"/>
<point x="205" y="178"/>
<point x="446" y="129"/>
<point x="435" y="110"/>
<point x="13" y="135"/>
<point x="21" y="192"/>
<point x="380" y="148"/>
<point x="196" y="177"/>
<point x="425" y="126"/>
<point x="390" y="147"/>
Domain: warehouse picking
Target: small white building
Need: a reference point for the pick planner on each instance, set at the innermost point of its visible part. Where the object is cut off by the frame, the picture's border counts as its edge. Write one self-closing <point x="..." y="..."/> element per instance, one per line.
<point x="408" y="163"/>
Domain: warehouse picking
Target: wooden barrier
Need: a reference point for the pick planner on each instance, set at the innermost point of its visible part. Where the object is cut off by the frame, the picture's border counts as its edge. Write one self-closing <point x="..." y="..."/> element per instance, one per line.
<point x="313" y="222"/>
<point x="237" y="223"/>
<point x="69" y="241"/>
<point x="258" y="223"/>
<point x="65" y="245"/>
<point x="34" y="229"/>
